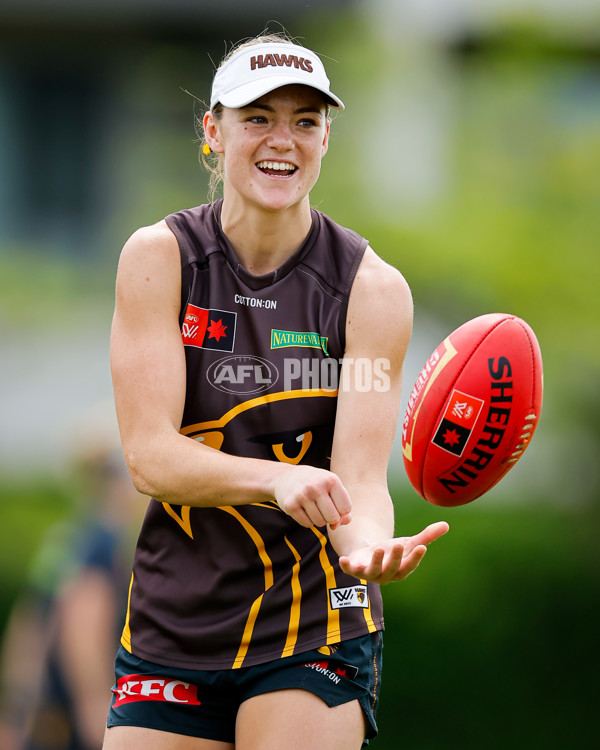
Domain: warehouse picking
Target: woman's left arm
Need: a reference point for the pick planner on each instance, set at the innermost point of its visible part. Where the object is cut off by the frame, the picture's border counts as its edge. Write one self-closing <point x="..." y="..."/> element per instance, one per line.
<point x="378" y="329"/>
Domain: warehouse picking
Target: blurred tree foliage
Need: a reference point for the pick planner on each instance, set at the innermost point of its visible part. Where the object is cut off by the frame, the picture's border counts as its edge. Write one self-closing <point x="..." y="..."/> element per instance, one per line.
<point x="28" y="511"/>
<point x="490" y="644"/>
<point x="513" y="217"/>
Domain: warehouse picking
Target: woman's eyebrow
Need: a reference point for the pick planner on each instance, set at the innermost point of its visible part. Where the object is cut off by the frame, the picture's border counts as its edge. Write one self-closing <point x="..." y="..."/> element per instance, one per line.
<point x="252" y="105"/>
<point x="310" y="109"/>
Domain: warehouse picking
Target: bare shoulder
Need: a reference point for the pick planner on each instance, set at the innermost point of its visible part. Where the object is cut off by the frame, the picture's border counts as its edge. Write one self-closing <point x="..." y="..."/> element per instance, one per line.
<point x="151" y="244"/>
<point x="380" y="310"/>
<point x="150" y="262"/>
<point x="375" y="276"/>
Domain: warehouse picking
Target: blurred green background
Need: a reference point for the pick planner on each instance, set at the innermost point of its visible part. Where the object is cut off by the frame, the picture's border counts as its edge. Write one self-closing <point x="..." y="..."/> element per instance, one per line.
<point x="469" y="155"/>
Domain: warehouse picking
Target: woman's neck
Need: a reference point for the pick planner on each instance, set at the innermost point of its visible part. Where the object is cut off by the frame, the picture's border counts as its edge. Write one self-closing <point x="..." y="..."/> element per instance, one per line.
<point x="264" y="240"/>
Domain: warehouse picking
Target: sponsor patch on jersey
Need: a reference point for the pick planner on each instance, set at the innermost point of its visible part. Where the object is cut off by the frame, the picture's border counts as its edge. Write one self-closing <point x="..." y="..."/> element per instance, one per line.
<point x="137" y="687"/>
<point x="349" y="596"/>
<point x="209" y="329"/>
<point x="282" y="339"/>
<point x="458" y="422"/>
<point x="261" y="303"/>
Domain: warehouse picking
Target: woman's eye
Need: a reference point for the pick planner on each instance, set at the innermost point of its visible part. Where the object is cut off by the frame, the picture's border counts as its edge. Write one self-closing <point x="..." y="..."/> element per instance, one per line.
<point x="307" y="123"/>
<point x="257" y="119"/>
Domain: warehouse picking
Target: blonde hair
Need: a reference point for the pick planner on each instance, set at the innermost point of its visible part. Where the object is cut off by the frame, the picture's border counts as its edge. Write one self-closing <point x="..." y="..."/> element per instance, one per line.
<point x="212" y="162"/>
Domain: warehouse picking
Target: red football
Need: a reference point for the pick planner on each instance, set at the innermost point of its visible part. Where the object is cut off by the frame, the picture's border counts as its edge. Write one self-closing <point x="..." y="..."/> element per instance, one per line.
<point x="473" y="409"/>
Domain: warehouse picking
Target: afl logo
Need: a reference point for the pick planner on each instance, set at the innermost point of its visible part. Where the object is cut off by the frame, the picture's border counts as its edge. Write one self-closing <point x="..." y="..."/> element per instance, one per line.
<point x="242" y="374"/>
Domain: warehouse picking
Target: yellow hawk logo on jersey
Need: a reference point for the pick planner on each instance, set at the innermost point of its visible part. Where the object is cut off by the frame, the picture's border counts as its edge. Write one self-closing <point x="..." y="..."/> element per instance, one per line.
<point x="288" y="446"/>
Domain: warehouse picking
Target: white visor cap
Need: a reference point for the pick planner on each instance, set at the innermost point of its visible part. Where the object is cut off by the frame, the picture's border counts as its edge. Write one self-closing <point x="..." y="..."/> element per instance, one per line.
<point x="257" y="70"/>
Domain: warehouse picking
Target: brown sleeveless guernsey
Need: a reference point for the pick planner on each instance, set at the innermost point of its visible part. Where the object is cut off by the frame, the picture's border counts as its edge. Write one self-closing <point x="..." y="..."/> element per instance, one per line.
<point x="233" y="586"/>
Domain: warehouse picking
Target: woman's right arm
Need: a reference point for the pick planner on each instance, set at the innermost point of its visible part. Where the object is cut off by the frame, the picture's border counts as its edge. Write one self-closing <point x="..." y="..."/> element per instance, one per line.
<point x="149" y="380"/>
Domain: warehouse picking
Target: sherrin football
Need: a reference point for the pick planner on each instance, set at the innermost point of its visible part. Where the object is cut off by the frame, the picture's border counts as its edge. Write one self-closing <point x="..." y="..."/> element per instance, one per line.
<point x="473" y="409"/>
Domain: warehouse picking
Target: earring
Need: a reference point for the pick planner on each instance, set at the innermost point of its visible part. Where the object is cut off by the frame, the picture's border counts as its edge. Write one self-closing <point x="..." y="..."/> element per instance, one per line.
<point x="206" y="149"/>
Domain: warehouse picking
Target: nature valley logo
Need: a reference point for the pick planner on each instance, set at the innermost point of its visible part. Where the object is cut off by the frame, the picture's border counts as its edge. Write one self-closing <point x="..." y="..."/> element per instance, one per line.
<point x="282" y="339"/>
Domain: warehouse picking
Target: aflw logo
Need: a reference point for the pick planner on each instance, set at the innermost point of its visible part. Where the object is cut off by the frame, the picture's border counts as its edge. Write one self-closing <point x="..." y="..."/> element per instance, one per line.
<point x="209" y="328"/>
<point x="262" y="61"/>
<point x="462" y="410"/>
<point x="351" y="596"/>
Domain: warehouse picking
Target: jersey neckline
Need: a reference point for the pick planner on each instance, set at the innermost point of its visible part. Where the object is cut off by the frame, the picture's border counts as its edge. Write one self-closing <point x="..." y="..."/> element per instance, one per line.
<point x="268" y="279"/>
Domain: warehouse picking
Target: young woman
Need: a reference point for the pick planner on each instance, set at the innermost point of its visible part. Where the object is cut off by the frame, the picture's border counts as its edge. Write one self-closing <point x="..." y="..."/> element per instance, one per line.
<point x="257" y="350"/>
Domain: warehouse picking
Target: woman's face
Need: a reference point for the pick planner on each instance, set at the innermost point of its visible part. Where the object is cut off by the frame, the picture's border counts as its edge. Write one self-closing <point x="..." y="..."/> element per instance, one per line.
<point x="272" y="148"/>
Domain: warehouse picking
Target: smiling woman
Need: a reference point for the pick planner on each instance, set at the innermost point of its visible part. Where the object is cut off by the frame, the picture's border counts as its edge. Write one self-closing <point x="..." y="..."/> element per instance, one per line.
<point x="272" y="150"/>
<point x="283" y="57"/>
<point x="255" y="592"/>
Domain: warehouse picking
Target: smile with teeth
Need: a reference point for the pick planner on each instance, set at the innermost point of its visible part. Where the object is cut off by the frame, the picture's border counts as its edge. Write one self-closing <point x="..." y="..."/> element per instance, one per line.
<point x="269" y="167"/>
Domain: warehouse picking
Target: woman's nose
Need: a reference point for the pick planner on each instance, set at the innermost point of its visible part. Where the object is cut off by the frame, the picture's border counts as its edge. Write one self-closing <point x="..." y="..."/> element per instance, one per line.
<point x="280" y="137"/>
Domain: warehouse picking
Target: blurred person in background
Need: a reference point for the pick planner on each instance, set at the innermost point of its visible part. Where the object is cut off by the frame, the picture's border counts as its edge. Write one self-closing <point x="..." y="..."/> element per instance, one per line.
<point x="58" y="649"/>
<point x="255" y="616"/>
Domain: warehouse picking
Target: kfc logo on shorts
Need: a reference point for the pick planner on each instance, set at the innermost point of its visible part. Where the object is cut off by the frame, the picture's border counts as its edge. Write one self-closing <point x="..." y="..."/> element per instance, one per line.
<point x="136" y="687"/>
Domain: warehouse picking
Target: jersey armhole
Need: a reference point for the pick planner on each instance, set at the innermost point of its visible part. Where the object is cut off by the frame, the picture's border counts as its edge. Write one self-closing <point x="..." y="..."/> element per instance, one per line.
<point x="346" y="299"/>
